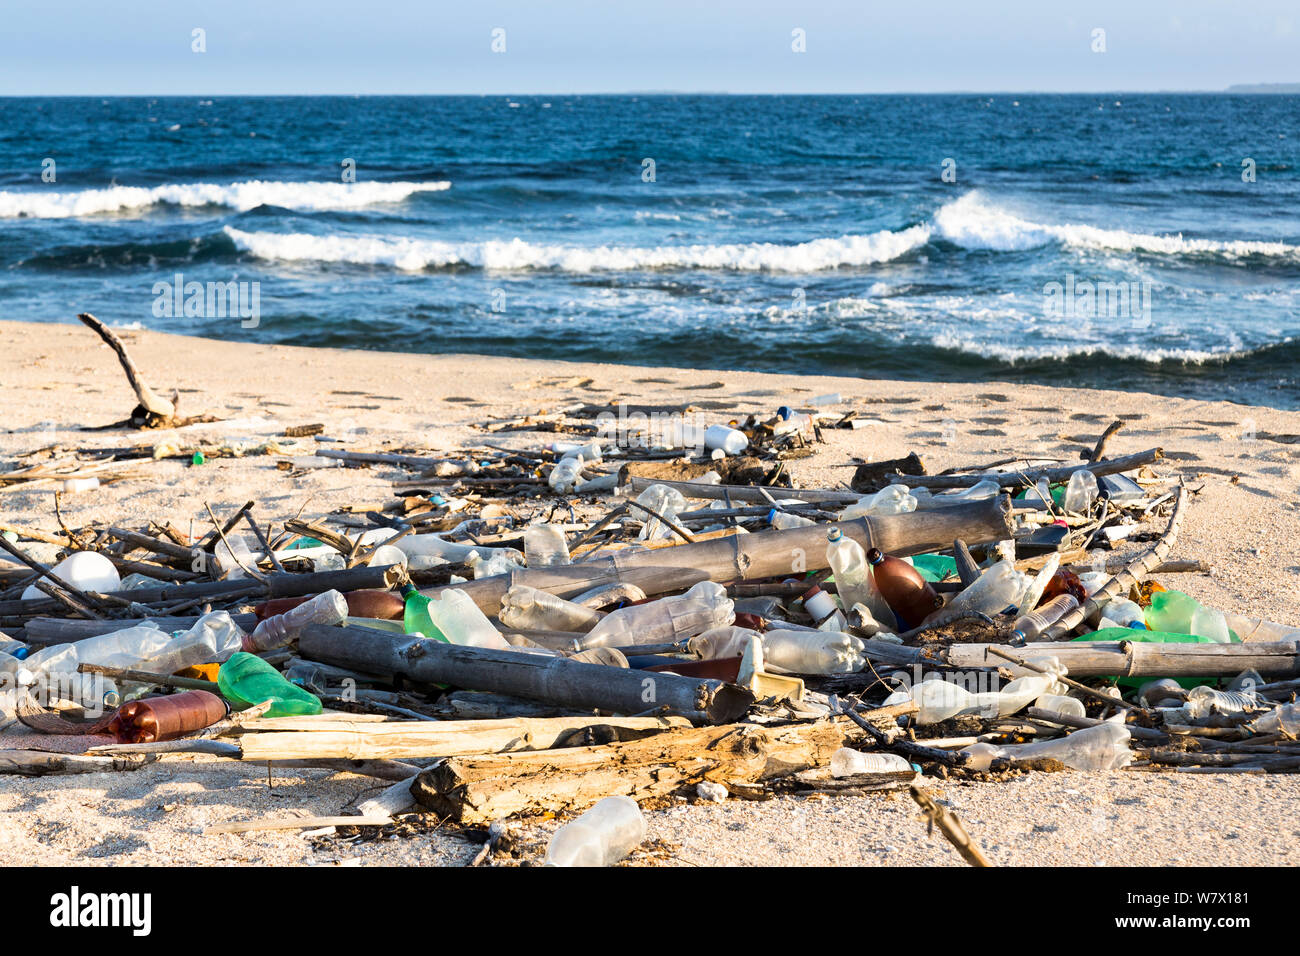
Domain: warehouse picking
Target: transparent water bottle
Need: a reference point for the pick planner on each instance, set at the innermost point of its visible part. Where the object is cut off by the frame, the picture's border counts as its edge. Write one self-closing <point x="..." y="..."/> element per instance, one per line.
<point x="328" y="607"/>
<point x="1284" y="719"/>
<point x="847" y="762"/>
<point x="703" y="607"/>
<point x="457" y="618"/>
<point x="894" y="500"/>
<point x="721" y="642"/>
<point x="497" y="562"/>
<point x="545" y="546"/>
<point x="592" y="451"/>
<point x="526" y="607"/>
<point x="813" y="652"/>
<point x="853" y="579"/>
<point x="602" y="836"/>
<point x="1103" y="747"/>
<point x="1034" y="592"/>
<point x="996" y="589"/>
<point x="566" y="477"/>
<point x="785" y="520"/>
<point x="1124" y="613"/>
<point x="1029" y="626"/>
<point x="1209" y="623"/>
<point x="976" y="492"/>
<point x="1204" y="701"/>
<point x="1060" y="704"/>
<point x="665" y="502"/>
<point x="1080" y="492"/>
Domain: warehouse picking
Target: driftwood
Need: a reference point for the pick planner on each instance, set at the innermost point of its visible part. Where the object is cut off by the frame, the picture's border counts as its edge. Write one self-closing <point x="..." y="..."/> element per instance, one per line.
<point x="755" y="556"/>
<point x="1131" y="574"/>
<point x="877" y="474"/>
<point x="1126" y="658"/>
<point x="39" y="763"/>
<point x="487" y="788"/>
<point x="948" y="825"/>
<point x="537" y="677"/>
<point x="152" y="410"/>
<point x="443" y="738"/>
<point x="1029" y="476"/>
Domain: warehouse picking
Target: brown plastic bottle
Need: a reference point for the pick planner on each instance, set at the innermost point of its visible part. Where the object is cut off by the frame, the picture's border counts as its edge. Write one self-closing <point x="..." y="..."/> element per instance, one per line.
<point x="166" y="718"/>
<point x="909" y="595"/>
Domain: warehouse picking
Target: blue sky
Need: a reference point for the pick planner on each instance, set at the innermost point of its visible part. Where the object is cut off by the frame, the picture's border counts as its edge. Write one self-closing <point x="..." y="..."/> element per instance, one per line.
<point x="405" y="46"/>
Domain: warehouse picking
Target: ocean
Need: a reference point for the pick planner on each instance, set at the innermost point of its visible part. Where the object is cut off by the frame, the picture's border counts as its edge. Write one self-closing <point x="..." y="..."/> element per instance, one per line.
<point x="1133" y="241"/>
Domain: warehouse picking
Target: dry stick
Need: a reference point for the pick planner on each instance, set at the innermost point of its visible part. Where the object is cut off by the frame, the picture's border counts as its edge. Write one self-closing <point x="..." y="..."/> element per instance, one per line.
<point x="1100" y="447"/>
<point x="148" y="400"/>
<point x="261" y="540"/>
<point x="48" y="574"/>
<point x="1082" y="688"/>
<point x="1124" y="578"/>
<point x="147" y="677"/>
<point x="67" y="600"/>
<point x="906" y="747"/>
<point x="208" y="540"/>
<point x="595" y="529"/>
<point x="251" y="572"/>
<point x="1010" y="479"/>
<point x="948" y="825"/>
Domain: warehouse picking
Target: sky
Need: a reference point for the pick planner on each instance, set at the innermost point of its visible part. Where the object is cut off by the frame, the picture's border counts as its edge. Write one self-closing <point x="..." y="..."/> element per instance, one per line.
<point x="145" y="47"/>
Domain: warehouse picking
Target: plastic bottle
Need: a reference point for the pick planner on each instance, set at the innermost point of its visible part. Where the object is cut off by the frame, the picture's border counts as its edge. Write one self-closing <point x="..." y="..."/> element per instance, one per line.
<point x="566" y="477"/>
<point x="721" y="642"/>
<point x="665" y="502"/>
<point x="1284" y="719"/>
<point x="789" y="421"/>
<point x="909" y="595"/>
<point x="425" y="551"/>
<point x="1029" y="626"/>
<point x="1209" y="623"/>
<point x="592" y="451"/>
<point x="1123" y="613"/>
<point x="938" y="699"/>
<point x="730" y="441"/>
<point x="1060" y="704"/>
<point x="996" y="589"/>
<point x="602" y="836"/>
<point x="328" y="607"/>
<point x="1171" y="611"/>
<point x="669" y="619"/>
<point x="1034" y="592"/>
<point x="132" y="647"/>
<point x="854" y="580"/>
<point x="492" y="564"/>
<point x="813" y="652"/>
<point x="785" y="520"/>
<point x="15" y="649"/>
<point x="526" y="607"/>
<point x="894" y="500"/>
<point x="232" y="558"/>
<point x="1102" y="747"/>
<point x="545" y="546"/>
<point x="847" y="762"/>
<point x="166" y="718"/>
<point x="458" y="619"/>
<point x="1203" y="701"/>
<point x="86" y="570"/>
<point x="1080" y="492"/>
<point x="821" y="606"/>
<point x="976" y="492"/>
<point x="246" y="680"/>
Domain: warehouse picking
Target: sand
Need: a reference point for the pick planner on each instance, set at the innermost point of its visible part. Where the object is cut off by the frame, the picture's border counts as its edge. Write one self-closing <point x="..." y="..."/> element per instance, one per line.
<point x="1242" y="462"/>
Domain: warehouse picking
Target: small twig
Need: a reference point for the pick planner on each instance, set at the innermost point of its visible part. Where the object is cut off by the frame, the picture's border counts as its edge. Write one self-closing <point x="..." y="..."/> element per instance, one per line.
<point x="251" y="572"/>
<point x="948" y="824"/>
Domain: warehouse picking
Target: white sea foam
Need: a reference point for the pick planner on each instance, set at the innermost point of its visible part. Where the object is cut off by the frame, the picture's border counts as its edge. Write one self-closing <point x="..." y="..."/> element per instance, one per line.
<point x="42" y="204"/>
<point x="417" y="254"/>
<point x="1013" y="353"/>
<point x="974" y="223"/>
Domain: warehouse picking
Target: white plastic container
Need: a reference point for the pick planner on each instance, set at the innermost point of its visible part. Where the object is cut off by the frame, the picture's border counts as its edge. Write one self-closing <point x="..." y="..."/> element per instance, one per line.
<point x="813" y="652"/>
<point x="86" y="570"/>
<point x="602" y="836"/>
<point x="847" y="762"/>
<point x="526" y="607"/>
<point x="545" y="546"/>
<point x="723" y="438"/>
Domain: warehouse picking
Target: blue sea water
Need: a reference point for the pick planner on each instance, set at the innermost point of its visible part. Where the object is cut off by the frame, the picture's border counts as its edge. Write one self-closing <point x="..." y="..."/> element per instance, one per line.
<point x="792" y="233"/>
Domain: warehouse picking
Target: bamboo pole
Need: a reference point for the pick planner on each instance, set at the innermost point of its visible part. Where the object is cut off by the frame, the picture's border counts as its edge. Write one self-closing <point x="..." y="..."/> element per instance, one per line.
<point x="1128" y="658"/>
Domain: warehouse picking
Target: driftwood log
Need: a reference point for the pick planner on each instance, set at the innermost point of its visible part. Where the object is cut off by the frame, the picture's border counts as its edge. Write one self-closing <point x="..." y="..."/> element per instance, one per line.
<point x="1029" y="476"/>
<point x="750" y="557"/>
<point x="486" y="788"/>
<point x="153" y="410"/>
<point x="1121" y="658"/>
<point x="554" y="680"/>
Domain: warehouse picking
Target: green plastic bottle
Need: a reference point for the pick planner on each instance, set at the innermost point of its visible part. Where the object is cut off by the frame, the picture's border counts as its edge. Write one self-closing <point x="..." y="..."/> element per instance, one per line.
<point x="416" y="615"/>
<point x="246" y="680"/>
<point x="1171" y="612"/>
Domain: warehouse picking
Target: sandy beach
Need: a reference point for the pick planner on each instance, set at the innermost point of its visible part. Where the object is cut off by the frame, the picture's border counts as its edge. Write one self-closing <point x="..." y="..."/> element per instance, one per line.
<point x="1242" y="464"/>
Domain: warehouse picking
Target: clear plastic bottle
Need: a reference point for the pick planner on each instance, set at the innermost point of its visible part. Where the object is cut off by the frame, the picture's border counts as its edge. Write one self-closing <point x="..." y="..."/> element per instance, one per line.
<point x="430" y="550"/>
<point x="665" y="502"/>
<point x="1204" y="701"/>
<point x="997" y="588"/>
<point x="1209" y="623"/>
<point x="1124" y="613"/>
<point x="496" y="562"/>
<point x="894" y="500"/>
<point x="1034" y="592"/>
<point x="592" y="451"/>
<point x="459" y="620"/>
<point x="545" y="546"/>
<point x="785" y="520"/>
<point x="602" y="836"/>
<point x="703" y="607"/>
<point x="1029" y="626"/>
<point x="813" y="652"/>
<point x="1284" y="719"/>
<point x="1060" y="704"/>
<point x="328" y="607"/>
<point x="847" y="762"/>
<point x="853" y="579"/>
<point x="1080" y="492"/>
<point x="566" y="477"/>
<point x="1102" y="747"/>
<point x="976" y="492"/>
<point x="527" y="607"/>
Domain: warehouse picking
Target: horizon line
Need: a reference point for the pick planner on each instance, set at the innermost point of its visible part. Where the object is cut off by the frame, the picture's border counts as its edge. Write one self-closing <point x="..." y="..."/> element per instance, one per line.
<point x="1246" y="89"/>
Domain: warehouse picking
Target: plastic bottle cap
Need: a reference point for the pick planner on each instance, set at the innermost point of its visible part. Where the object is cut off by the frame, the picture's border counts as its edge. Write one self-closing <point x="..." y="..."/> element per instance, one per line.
<point x="875" y="556"/>
<point x="785" y="412"/>
<point x="834" y="534"/>
<point x="770" y="515"/>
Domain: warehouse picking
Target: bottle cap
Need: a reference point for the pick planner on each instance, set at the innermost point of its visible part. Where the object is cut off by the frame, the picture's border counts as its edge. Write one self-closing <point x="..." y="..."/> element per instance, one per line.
<point x="785" y="412"/>
<point x="875" y="556"/>
<point x="834" y="534"/>
<point x="770" y="515"/>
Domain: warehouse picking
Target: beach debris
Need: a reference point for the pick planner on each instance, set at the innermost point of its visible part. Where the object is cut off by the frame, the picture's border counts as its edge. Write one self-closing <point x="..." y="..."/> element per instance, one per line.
<point x="614" y="616"/>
